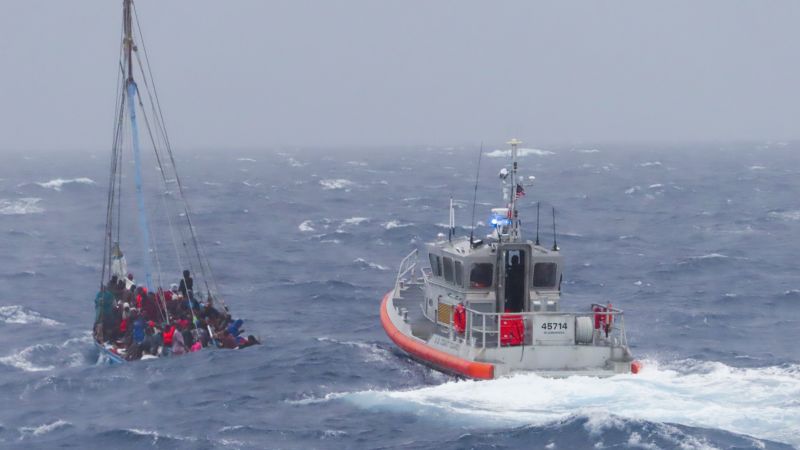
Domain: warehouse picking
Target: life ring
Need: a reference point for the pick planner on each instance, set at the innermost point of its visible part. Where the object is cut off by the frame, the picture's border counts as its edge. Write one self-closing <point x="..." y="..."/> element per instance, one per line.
<point x="460" y="318"/>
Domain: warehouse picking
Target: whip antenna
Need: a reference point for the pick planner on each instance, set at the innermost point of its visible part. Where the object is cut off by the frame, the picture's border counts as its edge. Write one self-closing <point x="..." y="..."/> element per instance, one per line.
<point x="537" y="222"/>
<point x="555" y="245"/>
<point x="475" y="196"/>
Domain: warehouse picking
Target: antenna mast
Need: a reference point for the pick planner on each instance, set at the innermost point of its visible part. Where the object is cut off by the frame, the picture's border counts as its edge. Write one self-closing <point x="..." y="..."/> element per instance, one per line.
<point x="512" y="193"/>
<point x="475" y="197"/>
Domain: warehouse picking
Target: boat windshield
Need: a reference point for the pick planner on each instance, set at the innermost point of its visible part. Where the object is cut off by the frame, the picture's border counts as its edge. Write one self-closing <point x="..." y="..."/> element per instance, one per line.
<point x="544" y="275"/>
<point x="480" y="276"/>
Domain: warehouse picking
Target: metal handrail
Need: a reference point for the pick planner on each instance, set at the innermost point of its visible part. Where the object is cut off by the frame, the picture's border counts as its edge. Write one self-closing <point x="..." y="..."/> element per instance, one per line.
<point x="488" y="323"/>
<point x="407" y="265"/>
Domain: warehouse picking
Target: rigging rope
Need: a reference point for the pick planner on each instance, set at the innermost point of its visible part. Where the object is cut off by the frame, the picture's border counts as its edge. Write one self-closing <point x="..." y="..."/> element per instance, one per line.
<point x="205" y="266"/>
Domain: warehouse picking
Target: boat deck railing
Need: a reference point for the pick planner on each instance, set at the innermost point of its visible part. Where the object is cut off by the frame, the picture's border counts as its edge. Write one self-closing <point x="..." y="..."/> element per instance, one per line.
<point x="405" y="272"/>
<point x="483" y="329"/>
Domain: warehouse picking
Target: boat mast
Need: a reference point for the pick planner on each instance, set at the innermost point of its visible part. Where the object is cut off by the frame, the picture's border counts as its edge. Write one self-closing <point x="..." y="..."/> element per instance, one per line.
<point x="131" y="89"/>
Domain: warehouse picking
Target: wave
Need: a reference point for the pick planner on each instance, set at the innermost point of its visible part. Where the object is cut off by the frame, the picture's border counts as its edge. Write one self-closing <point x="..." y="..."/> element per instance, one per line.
<point x="20" y="315"/>
<point x="691" y="393"/>
<point x="307" y="226"/>
<point x="372" y="352"/>
<point x="363" y="263"/>
<point x="43" y="429"/>
<point x="522" y="152"/>
<point x="21" y="206"/>
<point x="58" y="183"/>
<point x="333" y="184"/>
<point x="44" y="356"/>
<point x="355" y="221"/>
<point x="392" y="224"/>
<point x="793" y="215"/>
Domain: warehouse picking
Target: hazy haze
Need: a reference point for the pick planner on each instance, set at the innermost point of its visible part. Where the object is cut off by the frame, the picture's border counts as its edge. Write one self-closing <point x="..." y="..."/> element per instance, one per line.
<point x="255" y="73"/>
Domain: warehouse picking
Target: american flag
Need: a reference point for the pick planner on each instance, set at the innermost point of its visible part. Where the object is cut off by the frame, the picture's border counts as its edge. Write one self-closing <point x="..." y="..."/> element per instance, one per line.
<point x="520" y="191"/>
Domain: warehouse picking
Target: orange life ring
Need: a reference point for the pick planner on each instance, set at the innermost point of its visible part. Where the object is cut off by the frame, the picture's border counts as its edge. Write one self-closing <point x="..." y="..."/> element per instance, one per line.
<point x="460" y="318"/>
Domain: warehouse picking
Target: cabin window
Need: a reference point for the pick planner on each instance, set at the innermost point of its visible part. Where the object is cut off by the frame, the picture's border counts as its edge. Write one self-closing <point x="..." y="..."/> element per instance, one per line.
<point x="480" y="276"/>
<point x="448" y="270"/>
<point x="459" y="275"/>
<point x="544" y="275"/>
<point x="436" y="265"/>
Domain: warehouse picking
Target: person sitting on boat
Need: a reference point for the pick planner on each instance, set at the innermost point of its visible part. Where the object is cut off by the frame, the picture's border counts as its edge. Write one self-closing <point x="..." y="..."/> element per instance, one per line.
<point x="138" y="330"/>
<point x="236" y="328"/>
<point x="226" y="340"/>
<point x="167" y="338"/>
<point x="150" y="306"/>
<point x="112" y="285"/>
<point x="178" y="346"/>
<point x="127" y="294"/>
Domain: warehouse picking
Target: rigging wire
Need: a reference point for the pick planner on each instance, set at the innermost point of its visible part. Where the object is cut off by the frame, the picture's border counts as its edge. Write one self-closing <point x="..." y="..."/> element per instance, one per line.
<point x="205" y="266"/>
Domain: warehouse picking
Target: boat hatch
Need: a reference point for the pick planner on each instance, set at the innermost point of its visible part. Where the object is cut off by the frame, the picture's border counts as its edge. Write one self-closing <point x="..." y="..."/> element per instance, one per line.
<point x="512" y="288"/>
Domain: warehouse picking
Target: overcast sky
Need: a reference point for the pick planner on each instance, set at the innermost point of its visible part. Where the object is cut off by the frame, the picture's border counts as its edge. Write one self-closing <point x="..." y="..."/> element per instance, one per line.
<point x="259" y="73"/>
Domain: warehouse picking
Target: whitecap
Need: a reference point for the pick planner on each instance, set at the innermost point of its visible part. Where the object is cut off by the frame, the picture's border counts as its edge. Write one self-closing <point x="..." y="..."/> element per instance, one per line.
<point x="757" y="168"/>
<point x="58" y="183"/>
<point x="392" y="224"/>
<point x="655" y="186"/>
<point x="786" y="215"/>
<point x="522" y="152"/>
<point x="364" y="263"/>
<point x="633" y="189"/>
<point x="588" y="150"/>
<point x="246" y="159"/>
<point x="20" y="315"/>
<point x="339" y="183"/>
<point x="306" y="226"/>
<point x="651" y="164"/>
<point x="43" y="429"/>
<point x="38" y="357"/>
<point x="355" y="220"/>
<point x="21" y="206"/>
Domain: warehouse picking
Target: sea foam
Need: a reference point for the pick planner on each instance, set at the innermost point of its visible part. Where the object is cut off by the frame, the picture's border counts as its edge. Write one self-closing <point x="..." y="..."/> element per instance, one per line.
<point x="21" y="206"/>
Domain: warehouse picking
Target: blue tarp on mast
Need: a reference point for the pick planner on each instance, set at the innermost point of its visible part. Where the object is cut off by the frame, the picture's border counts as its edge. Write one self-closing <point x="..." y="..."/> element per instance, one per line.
<point x="132" y="90"/>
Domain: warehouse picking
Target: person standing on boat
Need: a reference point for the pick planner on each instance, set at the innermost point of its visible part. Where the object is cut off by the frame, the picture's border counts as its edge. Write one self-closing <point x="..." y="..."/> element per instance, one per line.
<point x="186" y="285"/>
<point x="103" y="306"/>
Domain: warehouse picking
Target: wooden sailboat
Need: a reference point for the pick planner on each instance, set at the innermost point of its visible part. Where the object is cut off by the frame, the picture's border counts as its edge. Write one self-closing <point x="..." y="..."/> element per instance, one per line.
<point x="171" y="304"/>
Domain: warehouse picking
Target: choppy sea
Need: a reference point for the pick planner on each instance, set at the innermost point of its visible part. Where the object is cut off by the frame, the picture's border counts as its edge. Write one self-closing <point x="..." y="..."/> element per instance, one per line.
<point x="698" y="243"/>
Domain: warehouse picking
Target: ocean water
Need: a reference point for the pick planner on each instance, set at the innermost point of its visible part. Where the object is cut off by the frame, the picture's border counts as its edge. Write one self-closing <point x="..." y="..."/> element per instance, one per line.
<point x="698" y="243"/>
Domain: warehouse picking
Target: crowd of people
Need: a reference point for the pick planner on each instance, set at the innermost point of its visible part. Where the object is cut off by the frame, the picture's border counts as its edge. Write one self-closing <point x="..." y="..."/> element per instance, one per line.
<point x="137" y="323"/>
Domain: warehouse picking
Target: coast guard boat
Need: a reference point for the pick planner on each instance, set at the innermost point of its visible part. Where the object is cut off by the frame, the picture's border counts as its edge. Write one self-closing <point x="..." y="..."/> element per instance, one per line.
<point x="488" y="308"/>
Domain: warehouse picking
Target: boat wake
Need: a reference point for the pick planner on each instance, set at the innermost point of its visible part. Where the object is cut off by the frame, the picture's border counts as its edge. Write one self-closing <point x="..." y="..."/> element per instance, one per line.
<point x="759" y="402"/>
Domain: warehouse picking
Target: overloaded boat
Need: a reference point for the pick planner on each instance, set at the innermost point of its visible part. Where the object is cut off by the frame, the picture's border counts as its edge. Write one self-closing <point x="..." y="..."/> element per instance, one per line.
<point x="148" y="316"/>
<point x="487" y="308"/>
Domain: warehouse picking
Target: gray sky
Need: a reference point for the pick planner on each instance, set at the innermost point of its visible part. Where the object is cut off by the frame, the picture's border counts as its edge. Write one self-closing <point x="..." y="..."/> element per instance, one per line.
<point x="257" y="73"/>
